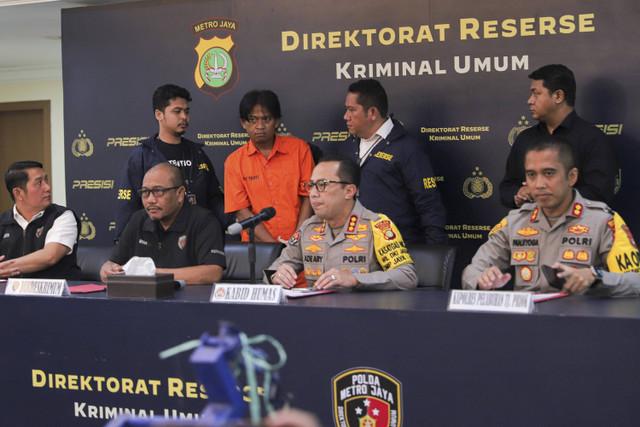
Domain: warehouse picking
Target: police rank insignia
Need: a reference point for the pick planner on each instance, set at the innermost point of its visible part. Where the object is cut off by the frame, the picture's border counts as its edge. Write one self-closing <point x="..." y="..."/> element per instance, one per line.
<point x="577" y="210"/>
<point x="534" y="215"/>
<point x="367" y="397"/>
<point x="182" y="241"/>
<point x="353" y="220"/>
<point x="216" y="71"/>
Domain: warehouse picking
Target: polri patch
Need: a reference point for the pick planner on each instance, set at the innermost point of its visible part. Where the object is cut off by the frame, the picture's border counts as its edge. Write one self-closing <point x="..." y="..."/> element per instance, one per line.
<point x="367" y="397"/>
<point x="295" y="237"/>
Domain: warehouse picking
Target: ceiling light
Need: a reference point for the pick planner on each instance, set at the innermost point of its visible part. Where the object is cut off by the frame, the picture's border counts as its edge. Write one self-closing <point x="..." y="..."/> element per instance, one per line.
<point x="22" y="2"/>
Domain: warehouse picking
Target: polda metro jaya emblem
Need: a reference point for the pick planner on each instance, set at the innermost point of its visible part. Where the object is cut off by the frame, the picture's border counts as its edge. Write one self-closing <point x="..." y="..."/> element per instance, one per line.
<point x="216" y="71"/>
<point x="367" y="397"/>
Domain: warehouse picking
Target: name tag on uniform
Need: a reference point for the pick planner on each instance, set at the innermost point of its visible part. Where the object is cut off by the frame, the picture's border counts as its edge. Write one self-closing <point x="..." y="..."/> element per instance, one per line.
<point x="254" y="294"/>
<point x="494" y="301"/>
<point x="42" y="287"/>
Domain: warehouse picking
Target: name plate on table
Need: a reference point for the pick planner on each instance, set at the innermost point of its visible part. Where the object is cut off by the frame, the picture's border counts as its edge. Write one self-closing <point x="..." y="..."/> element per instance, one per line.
<point x="494" y="301"/>
<point x="256" y="294"/>
<point x="42" y="287"/>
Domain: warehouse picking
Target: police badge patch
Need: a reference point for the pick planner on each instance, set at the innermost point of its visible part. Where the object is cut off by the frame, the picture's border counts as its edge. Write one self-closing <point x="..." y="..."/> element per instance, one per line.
<point x="294" y="238"/>
<point x="385" y="227"/>
<point x="216" y="71"/>
<point x="367" y="397"/>
<point x="182" y="241"/>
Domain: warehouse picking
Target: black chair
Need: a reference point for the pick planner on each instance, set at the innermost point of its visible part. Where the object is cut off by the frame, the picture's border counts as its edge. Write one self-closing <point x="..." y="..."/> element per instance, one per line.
<point x="237" y="270"/>
<point x="434" y="265"/>
<point x="90" y="261"/>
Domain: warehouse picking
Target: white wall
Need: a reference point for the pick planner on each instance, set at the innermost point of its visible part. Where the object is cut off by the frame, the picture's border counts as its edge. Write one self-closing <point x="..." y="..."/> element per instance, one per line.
<point x="45" y="91"/>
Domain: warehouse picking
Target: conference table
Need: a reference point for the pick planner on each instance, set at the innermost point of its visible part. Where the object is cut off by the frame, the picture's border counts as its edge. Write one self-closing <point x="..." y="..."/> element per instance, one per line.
<point x="79" y="359"/>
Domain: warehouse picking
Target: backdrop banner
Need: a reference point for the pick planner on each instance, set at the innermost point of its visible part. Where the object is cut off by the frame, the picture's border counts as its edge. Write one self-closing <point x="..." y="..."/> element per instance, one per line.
<point x="455" y="73"/>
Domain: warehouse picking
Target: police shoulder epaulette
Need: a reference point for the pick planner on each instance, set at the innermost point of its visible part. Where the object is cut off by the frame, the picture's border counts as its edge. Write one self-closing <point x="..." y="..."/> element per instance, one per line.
<point x="592" y="204"/>
<point x="525" y="207"/>
<point x="499" y="226"/>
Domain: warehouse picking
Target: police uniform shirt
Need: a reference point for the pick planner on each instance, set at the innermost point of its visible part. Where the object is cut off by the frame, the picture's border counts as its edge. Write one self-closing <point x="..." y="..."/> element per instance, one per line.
<point x="192" y="239"/>
<point x="582" y="237"/>
<point x="369" y="246"/>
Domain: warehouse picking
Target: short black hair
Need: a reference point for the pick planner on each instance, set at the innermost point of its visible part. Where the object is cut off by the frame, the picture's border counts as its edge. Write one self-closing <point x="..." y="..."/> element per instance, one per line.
<point x="563" y="148"/>
<point x="165" y="93"/>
<point x="17" y="175"/>
<point x="348" y="171"/>
<point x="557" y="77"/>
<point x="265" y="98"/>
<point x="371" y="94"/>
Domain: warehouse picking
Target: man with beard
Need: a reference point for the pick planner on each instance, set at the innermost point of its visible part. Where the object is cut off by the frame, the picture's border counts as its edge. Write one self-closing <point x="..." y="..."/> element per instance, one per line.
<point x="171" y="109"/>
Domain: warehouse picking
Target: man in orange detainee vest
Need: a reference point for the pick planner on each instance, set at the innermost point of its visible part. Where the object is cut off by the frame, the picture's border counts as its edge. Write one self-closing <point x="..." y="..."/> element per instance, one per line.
<point x="268" y="171"/>
<point x="588" y="246"/>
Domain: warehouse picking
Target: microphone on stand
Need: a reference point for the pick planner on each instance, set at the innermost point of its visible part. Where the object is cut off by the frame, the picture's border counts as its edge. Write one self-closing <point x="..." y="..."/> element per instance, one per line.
<point x="264" y="215"/>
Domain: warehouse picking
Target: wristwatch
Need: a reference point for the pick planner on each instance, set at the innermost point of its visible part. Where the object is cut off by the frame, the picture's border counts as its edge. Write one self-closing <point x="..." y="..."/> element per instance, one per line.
<point x="597" y="273"/>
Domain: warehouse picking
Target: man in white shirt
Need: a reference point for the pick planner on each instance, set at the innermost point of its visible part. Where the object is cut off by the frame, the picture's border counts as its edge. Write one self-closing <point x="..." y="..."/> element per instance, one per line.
<point x="37" y="237"/>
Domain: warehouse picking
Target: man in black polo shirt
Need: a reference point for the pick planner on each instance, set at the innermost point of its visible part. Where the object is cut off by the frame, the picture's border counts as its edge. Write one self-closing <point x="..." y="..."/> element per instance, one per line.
<point x="552" y="100"/>
<point x="181" y="238"/>
<point x="37" y="238"/>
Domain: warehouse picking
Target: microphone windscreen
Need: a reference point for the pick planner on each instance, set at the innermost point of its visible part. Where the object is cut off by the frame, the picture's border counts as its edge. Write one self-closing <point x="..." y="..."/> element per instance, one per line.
<point x="268" y="213"/>
<point x="235" y="228"/>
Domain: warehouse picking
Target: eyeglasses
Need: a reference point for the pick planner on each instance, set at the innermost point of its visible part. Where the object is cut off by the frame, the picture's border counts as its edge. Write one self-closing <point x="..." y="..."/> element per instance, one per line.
<point x="157" y="192"/>
<point x="254" y="120"/>
<point x="321" y="185"/>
